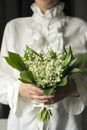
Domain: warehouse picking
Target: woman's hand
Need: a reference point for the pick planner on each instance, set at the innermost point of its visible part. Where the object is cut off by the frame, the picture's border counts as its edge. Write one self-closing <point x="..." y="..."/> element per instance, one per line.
<point x="62" y="92"/>
<point x="32" y="92"/>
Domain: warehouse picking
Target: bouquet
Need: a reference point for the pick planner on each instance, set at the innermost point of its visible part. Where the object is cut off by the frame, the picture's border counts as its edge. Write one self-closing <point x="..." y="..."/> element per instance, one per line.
<point x="46" y="71"/>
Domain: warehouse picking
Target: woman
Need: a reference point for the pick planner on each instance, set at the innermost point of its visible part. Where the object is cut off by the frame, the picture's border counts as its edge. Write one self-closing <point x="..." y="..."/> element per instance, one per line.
<point x="47" y="28"/>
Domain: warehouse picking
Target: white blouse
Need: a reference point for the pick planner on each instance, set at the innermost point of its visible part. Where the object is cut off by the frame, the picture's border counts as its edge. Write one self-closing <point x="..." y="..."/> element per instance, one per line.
<point x="41" y="32"/>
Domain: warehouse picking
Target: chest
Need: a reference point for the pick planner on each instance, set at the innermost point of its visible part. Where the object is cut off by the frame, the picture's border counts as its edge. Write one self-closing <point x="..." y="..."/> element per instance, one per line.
<point x="41" y="37"/>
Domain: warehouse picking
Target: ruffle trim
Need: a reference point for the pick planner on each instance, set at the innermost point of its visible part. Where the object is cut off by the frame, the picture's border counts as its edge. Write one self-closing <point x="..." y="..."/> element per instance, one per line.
<point x="49" y="14"/>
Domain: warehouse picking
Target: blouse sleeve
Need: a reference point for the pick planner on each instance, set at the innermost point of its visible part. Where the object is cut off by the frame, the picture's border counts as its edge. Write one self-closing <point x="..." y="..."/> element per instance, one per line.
<point x="9" y="84"/>
<point x="75" y="105"/>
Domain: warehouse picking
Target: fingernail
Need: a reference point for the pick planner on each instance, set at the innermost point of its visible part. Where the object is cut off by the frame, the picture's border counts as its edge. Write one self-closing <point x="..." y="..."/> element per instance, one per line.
<point x="46" y="101"/>
<point x="51" y="96"/>
<point x="41" y="91"/>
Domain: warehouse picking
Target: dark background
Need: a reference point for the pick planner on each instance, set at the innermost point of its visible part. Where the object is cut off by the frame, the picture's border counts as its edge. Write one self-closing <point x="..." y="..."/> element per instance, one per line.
<point x="10" y="9"/>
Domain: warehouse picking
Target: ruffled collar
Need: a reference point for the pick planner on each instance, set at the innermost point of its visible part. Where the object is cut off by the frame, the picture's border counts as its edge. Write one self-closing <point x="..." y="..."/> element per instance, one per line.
<point x="54" y="20"/>
<point x="56" y="11"/>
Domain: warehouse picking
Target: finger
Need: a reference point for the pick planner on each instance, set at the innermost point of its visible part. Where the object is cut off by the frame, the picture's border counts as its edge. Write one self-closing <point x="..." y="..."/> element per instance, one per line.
<point x="52" y="101"/>
<point x="41" y="98"/>
<point x="36" y="93"/>
<point x="36" y="90"/>
<point x="59" y="98"/>
<point x="55" y="100"/>
<point x="41" y="101"/>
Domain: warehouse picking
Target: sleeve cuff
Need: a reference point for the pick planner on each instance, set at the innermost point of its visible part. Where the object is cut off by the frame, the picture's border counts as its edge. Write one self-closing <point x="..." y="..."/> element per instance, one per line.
<point x="73" y="105"/>
<point x="13" y="96"/>
<point x="81" y="84"/>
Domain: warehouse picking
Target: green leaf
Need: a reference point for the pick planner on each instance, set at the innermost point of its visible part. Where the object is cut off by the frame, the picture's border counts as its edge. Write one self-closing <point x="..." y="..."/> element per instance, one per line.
<point x="11" y="63"/>
<point x="27" y="76"/>
<point x="44" y="114"/>
<point x="48" y="91"/>
<point x="68" y="57"/>
<point x="30" y="53"/>
<point x="80" y="60"/>
<point x="15" y="61"/>
<point x="25" y="81"/>
<point x="63" y="81"/>
<point x="52" y="54"/>
<point x="78" y="70"/>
